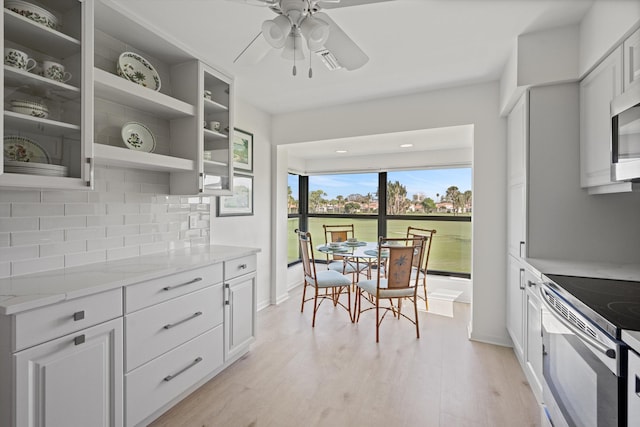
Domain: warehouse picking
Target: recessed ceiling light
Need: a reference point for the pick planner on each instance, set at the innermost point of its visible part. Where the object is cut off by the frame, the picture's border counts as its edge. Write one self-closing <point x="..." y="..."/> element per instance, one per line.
<point x="406" y="145"/>
<point x="341" y="151"/>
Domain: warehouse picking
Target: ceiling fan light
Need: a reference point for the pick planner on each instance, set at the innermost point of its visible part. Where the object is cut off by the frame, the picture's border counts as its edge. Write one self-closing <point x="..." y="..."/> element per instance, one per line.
<point x="293" y="47"/>
<point x="276" y="31"/>
<point x="315" y="31"/>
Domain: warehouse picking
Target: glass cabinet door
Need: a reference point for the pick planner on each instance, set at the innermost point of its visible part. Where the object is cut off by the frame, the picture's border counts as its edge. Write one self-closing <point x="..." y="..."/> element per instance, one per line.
<point x="217" y="156"/>
<point x="43" y="95"/>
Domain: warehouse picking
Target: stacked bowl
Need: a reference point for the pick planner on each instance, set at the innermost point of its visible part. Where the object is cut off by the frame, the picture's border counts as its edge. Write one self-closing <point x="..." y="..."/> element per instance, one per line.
<point x="33" y="12"/>
<point x="30" y="108"/>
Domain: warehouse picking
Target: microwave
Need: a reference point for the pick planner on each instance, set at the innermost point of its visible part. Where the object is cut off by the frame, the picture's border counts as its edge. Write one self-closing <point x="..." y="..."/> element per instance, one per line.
<point x="625" y="136"/>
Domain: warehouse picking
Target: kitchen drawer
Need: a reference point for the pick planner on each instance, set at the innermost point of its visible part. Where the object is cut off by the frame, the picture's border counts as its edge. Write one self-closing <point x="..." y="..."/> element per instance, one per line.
<point x="153" y="385"/>
<point x="53" y="321"/>
<point x="145" y="294"/>
<point x="633" y="390"/>
<point x="239" y="266"/>
<point x="155" y="330"/>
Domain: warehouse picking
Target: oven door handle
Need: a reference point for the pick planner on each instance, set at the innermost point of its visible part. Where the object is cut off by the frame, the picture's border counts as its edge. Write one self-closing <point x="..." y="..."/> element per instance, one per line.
<point x="609" y="352"/>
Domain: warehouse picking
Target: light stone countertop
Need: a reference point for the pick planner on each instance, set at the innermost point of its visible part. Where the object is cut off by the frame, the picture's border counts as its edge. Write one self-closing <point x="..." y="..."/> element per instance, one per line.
<point x="20" y="293"/>
<point x="603" y="270"/>
<point x="632" y="338"/>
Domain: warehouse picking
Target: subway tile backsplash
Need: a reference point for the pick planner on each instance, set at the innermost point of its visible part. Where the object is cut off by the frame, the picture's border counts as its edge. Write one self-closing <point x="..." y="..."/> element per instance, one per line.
<point x="127" y="215"/>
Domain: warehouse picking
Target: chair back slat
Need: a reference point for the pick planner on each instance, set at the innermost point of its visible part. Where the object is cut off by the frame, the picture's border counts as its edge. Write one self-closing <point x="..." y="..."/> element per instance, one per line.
<point x="422" y="263"/>
<point x="306" y="251"/>
<point x="402" y="253"/>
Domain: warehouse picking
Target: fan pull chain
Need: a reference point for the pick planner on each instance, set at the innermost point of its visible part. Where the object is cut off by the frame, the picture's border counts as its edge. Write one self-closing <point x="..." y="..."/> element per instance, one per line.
<point x="295" y="71"/>
<point x="310" y="70"/>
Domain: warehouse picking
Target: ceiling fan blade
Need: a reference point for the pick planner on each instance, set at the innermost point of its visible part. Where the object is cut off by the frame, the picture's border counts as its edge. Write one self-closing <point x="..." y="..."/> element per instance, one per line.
<point x="346" y="51"/>
<point x="257" y="2"/>
<point x="334" y="4"/>
<point x="255" y="51"/>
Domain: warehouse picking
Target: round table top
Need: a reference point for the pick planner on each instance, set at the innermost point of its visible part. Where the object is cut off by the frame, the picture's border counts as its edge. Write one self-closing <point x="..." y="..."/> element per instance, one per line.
<point x="346" y="249"/>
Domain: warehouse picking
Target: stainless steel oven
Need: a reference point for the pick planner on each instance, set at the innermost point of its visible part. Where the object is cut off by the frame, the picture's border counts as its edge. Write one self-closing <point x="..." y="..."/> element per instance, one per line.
<point x="583" y="367"/>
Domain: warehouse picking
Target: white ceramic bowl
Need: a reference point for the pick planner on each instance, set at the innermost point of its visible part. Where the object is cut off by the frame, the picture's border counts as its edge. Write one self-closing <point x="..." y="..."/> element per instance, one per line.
<point x="32" y="12"/>
<point x="30" y="108"/>
<point x="135" y="68"/>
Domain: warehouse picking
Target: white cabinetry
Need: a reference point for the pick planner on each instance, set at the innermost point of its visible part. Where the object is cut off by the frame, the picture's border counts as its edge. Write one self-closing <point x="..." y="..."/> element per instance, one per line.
<point x="66" y="364"/>
<point x="174" y="341"/>
<point x="633" y="389"/>
<point x="596" y="92"/>
<point x="87" y="112"/>
<point x="61" y="136"/>
<point x="240" y="305"/>
<point x="631" y="60"/>
<point x="523" y="306"/>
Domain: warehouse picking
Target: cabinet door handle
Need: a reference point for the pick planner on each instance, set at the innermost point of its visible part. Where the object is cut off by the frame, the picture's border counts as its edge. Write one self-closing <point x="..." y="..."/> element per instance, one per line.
<point x="637" y="386"/>
<point x="191" y="365"/>
<point x="531" y="283"/>
<point x="522" y="279"/>
<point x="80" y="339"/>
<point x="193" y="316"/>
<point x="521" y="246"/>
<point x="168" y="288"/>
<point x="78" y="315"/>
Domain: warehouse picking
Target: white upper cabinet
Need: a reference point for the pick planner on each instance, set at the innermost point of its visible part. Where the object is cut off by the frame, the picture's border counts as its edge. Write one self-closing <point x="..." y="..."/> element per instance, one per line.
<point x="149" y="115"/>
<point x="596" y="92"/>
<point x="46" y="121"/>
<point x="632" y="60"/>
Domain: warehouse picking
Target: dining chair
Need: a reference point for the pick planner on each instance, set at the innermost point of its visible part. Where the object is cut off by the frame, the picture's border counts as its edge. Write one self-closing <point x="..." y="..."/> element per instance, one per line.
<point x="395" y="281"/>
<point x="420" y="268"/>
<point x="341" y="233"/>
<point x="332" y="282"/>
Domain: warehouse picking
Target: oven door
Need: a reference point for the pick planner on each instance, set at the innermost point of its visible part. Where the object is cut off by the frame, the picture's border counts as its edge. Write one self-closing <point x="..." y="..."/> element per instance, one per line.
<point x="581" y="387"/>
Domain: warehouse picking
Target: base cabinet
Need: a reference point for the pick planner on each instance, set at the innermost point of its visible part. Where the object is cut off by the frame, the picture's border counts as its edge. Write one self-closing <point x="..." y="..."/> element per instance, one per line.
<point x="240" y="306"/>
<point x="75" y="380"/>
<point x="533" y="333"/>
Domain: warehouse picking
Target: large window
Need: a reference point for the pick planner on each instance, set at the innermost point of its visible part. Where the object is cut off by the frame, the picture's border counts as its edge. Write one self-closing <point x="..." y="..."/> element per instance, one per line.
<point x="385" y="204"/>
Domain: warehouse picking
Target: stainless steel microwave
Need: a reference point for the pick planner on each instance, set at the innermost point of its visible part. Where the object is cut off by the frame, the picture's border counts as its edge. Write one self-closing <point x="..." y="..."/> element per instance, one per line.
<point x="625" y="136"/>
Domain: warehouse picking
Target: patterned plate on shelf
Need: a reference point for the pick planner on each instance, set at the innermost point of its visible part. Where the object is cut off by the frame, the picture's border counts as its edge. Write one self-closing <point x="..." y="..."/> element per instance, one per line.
<point x="137" y="136"/>
<point x="21" y="149"/>
<point x="135" y="68"/>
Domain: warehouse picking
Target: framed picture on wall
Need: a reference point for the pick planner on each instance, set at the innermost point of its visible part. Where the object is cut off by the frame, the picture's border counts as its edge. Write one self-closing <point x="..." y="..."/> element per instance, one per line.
<point x="242" y="150"/>
<point x="241" y="201"/>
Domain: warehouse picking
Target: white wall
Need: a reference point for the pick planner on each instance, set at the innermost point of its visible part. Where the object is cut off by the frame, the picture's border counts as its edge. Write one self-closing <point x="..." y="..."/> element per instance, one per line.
<point x="477" y="105"/>
<point x="254" y="230"/>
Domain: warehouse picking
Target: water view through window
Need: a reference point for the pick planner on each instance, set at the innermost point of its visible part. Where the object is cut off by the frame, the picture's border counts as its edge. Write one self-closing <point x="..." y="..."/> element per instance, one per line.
<point x="439" y="199"/>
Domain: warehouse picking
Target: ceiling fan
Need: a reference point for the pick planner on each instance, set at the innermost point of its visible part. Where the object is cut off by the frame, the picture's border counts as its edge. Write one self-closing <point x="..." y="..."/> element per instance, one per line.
<point x="302" y="22"/>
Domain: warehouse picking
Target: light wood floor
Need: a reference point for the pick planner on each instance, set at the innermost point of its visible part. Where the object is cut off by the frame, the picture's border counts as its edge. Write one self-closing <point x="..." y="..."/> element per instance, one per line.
<point x="336" y="375"/>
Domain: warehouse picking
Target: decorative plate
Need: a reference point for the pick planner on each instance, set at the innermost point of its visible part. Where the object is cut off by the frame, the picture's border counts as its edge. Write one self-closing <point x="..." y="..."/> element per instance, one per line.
<point x="32" y="12"/>
<point x="21" y="149"/>
<point x="135" y="68"/>
<point x="137" y="136"/>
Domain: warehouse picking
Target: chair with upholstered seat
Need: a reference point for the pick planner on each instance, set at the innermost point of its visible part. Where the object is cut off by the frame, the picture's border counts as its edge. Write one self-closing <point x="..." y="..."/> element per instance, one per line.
<point x="394" y="282"/>
<point x="341" y="233"/>
<point x="333" y="283"/>
<point x="420" y="267"/>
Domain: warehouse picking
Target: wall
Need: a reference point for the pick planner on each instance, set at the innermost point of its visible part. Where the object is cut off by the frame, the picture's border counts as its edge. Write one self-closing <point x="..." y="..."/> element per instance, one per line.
<point x="255" y="230"/>
<point x="477" y="105"/>
<point x="128" y="214"/>
<point x="564" y="221"/>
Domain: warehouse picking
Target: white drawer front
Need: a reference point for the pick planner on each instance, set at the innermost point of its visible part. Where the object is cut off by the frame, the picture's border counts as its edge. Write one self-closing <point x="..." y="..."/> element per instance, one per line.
<point x="155" y="330"/>
<point x="154" y="291"/>
<point x="239" y="266"/>
<point x="151" y="386"/>
<point x="53" y="321"/>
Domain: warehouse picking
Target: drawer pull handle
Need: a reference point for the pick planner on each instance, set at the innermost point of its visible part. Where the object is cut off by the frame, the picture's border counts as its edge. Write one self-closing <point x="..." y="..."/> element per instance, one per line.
<point x="168" y="288"/>
<point x="227" y="291"/>
<point x="242" y="266"/>
<point x="194" y="363"/>
<point x="78" y="315"/>
<point x="171" y="325"/>
<point x="80" y="339"/>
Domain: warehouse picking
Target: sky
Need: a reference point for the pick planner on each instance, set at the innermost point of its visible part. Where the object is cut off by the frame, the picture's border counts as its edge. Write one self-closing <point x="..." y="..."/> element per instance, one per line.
<point x="430" y="182"/>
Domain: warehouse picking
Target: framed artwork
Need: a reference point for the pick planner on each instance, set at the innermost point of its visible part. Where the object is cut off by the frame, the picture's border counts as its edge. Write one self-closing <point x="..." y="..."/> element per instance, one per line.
<point x="242" y="150"/>
<point x="241" y="201"/>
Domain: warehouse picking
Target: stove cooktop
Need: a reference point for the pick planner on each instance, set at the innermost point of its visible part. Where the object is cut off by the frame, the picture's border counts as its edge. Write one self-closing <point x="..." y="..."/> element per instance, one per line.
<point x="613" y="304"/>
